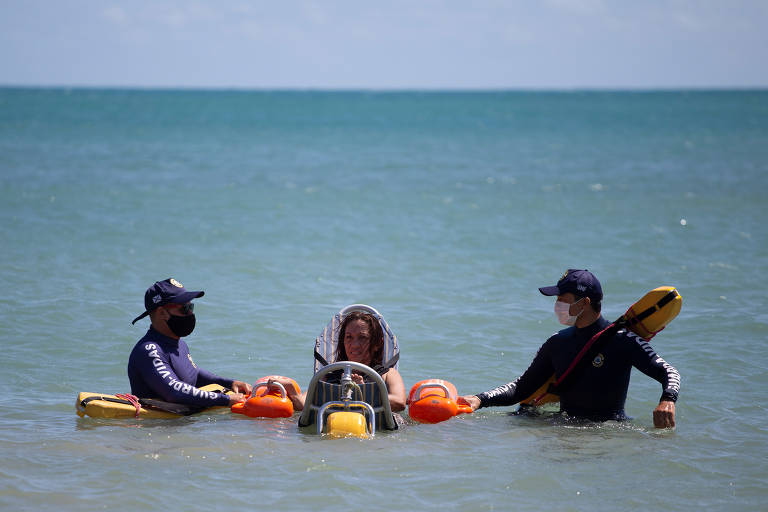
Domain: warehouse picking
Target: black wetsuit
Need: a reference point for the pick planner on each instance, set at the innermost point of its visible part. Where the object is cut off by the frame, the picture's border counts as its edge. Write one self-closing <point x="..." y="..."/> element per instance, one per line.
<point x="597" y="389"/>
<point x="161" y="367"/>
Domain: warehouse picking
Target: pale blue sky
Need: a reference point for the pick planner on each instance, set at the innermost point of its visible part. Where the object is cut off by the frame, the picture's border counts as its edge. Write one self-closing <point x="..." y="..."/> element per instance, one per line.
<point x="432" y="44"/>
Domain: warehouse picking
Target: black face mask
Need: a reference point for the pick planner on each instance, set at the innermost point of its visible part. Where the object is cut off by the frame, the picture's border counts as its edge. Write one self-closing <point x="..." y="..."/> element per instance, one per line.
<point x="181" y="325"/>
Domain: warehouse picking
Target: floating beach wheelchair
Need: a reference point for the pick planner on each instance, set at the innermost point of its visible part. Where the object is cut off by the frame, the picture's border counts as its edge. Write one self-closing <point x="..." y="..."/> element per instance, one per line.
<point x="335" y="404"/>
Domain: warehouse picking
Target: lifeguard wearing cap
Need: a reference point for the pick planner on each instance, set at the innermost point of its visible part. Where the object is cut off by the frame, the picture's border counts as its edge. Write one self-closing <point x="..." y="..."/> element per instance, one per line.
<point x="169" y="291"/>
<point x="581" y="283"/>
<point x="603" y="353"/>
<point x="160" y="365"/>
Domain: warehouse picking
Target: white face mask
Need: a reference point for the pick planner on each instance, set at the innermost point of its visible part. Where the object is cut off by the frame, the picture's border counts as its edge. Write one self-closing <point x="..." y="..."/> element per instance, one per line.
<point x="562" y="311"/>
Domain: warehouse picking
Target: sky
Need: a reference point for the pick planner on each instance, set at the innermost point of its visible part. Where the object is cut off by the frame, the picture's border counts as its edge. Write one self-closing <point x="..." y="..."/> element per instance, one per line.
<point x="397" y="44"/>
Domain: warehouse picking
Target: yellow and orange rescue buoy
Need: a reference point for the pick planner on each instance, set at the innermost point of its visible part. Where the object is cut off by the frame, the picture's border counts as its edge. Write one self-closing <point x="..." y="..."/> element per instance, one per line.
<point x="651" y="314"/>
<point x="268" y="400"/>
<point x="433" y="401"/>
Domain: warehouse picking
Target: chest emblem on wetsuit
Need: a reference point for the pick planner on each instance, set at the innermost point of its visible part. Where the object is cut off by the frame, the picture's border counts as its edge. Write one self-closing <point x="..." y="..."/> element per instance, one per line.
<point x="598" y="361"/>
<point x="176" y="283"/>
<point x="189" y="356"/>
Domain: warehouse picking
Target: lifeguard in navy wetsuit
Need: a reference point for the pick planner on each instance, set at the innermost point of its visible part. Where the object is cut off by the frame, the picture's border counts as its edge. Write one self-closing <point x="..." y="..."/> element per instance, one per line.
<point x="599" y="389"/>
<point x="160" y="365"/>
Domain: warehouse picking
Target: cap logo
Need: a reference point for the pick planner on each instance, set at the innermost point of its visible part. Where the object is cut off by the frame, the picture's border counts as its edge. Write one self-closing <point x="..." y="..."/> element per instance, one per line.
<point x="176" y="283"/>
<point x="581" y="287"/>
<point x="156" y="299"/>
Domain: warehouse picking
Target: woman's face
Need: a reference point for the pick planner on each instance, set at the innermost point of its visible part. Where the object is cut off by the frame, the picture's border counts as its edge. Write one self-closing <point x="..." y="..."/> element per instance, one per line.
<point x="357" y="341"/>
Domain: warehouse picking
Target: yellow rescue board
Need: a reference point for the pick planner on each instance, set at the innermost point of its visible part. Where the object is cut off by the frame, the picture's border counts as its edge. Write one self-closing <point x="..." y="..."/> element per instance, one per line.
<point x="100" y="405"/>
<point x="646" y="318"/>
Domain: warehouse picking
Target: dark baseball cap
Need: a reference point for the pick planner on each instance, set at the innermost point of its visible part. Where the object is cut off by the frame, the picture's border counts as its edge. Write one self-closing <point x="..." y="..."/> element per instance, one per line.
<point x="165" y="292"/>
<point x="581" y="283"/>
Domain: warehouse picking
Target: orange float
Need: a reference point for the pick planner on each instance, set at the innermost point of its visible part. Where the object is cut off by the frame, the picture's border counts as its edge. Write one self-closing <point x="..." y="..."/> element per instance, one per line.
<point x="268" y="399"/>
<point x="433" y="401"/>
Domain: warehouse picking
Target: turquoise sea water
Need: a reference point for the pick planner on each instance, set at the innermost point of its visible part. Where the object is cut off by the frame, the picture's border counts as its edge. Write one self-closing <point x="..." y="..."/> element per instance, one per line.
<point x="445" y="211"/>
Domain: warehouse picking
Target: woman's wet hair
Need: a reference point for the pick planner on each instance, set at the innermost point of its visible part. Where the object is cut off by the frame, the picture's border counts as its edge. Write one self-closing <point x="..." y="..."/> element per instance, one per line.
<point x="376" y="346"/>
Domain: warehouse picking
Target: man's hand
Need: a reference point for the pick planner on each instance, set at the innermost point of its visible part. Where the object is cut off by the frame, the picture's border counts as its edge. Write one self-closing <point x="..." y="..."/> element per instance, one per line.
<point x="239" y="386"/>
<point x="470" y="400"/>
<point x="235" y="398"/>
<point x="664" y="414"/>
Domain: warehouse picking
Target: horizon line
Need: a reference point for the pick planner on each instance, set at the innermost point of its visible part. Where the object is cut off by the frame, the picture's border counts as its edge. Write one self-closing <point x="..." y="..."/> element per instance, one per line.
<point x="197" y="88"/>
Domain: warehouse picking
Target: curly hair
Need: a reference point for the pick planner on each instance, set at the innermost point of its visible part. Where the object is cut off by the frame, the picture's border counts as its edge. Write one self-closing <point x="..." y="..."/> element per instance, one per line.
<point x="376" y="346"/>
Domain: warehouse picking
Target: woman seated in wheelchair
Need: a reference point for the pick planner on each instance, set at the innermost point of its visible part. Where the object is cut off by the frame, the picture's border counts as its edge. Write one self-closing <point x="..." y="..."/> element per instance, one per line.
<point x="360" y="340"/>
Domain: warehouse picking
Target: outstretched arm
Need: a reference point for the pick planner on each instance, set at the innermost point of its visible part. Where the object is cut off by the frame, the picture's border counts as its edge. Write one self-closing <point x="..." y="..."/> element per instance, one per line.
<point x="511" y="393"/>
<point x="241" y="389"/>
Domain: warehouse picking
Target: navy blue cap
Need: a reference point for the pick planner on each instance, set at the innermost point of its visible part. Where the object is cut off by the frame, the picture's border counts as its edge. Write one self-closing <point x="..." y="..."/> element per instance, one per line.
<point x="581" y="283"/>
<point x="165" y="292"/>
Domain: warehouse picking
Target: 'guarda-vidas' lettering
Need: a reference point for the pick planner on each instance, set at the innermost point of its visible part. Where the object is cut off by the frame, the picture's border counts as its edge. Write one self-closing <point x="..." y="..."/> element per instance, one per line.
<point x="158" y="363"/>
<point x="176" y="384"/>
<point x="674" y="375"/>
<point x="500" y="390"/>
<point x="187" y="389"/>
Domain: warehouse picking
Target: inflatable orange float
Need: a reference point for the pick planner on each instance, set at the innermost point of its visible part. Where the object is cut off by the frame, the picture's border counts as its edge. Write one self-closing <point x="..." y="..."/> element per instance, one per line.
<point x="268" y="400"/>
<point x="433" y="401"/>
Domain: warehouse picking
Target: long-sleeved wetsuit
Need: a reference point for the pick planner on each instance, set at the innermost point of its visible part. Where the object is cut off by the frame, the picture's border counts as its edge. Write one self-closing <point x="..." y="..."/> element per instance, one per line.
<point x="598" y="388"/>
<point x="161" y="367"/>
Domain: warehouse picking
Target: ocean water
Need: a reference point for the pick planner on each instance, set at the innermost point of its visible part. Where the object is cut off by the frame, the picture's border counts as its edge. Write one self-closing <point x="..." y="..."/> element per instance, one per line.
<point x="446" y="212"/>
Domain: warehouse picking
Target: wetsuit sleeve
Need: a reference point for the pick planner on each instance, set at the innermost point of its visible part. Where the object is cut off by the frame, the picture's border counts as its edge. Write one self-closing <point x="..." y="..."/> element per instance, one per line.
<point x="155" y="369"/>
<point x="645" y="359"/>
<point x="204" y="377"/>
<point x="534" y="377"/>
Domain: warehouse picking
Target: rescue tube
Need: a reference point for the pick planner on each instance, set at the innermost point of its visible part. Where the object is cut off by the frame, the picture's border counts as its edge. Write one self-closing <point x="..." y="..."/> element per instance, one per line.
<point x="433" y="401"/>
<point x="651" y="314"/>
<point x="542" y="393"/>
<point x="647" y="317"/>
<point x="103" y="405"/>
<point x="267" y="400"/>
